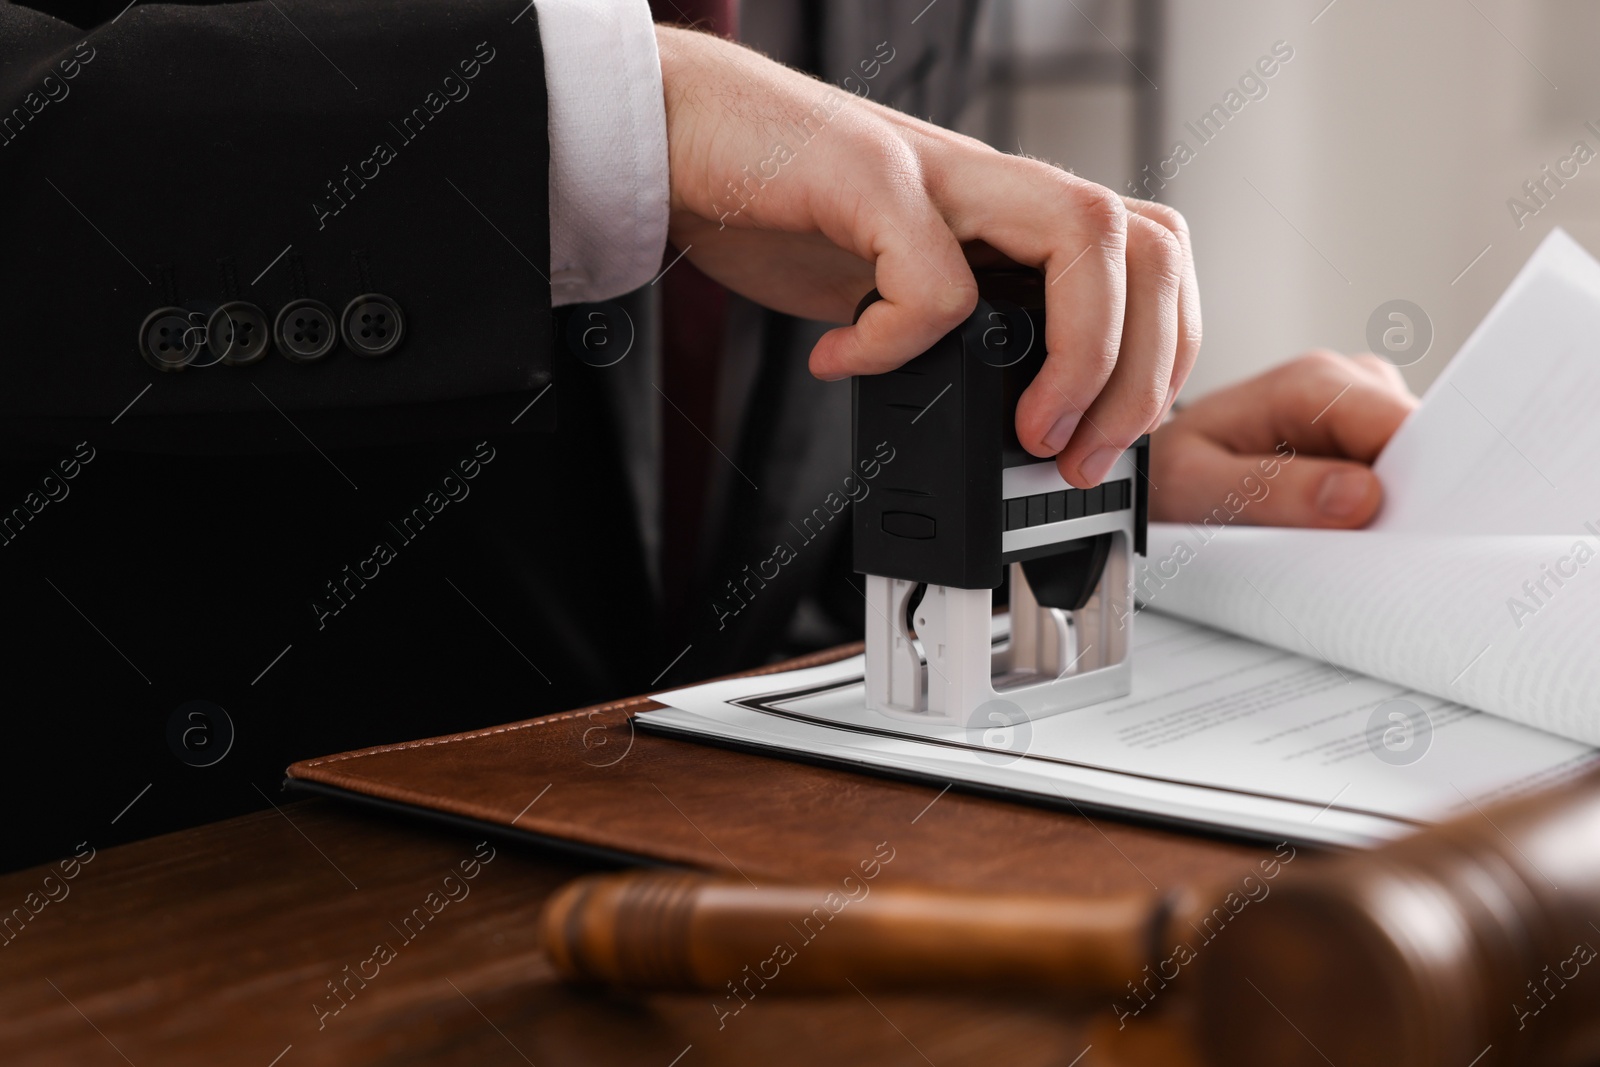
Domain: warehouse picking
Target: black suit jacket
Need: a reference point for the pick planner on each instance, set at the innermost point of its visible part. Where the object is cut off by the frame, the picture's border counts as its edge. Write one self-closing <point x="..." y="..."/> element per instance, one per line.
<point x="348" y="551"/>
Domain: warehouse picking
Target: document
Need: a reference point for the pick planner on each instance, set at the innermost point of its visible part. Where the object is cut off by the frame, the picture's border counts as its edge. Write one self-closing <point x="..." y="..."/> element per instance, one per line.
<point x="1219" y="731"/>
<point x="1326" y="687"/>
<point x="1480" y="580"/>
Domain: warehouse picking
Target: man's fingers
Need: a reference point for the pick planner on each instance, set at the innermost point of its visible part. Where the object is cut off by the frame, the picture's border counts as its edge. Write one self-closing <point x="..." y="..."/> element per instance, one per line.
<point x="1287" y="448"/>
<point x="1383" y="370"/>
<point x="1320" y="403"/>
<point x="1355" y="420"/>
<point x="1076" y="233"/>
<point x="1085" y="301"/>
<point x="1136" y="393"/>
<point x="921" y="274"/>
<point x="1189" y="331"/>
<point x="1201" y="482"/>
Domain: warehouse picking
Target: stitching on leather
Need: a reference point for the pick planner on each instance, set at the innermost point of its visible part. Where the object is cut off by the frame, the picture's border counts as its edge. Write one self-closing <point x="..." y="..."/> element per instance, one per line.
<point x="541" y="721"/>
<point x="799" y="663"/>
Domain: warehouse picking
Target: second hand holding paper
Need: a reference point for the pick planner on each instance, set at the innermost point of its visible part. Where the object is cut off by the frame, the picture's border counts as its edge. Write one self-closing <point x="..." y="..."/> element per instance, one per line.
<point x="1475" y="582"/>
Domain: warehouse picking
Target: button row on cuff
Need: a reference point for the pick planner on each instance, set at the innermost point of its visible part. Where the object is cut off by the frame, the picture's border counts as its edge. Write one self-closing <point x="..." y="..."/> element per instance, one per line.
<point x="238" y="333"/>
<point x="1042" y="508"/>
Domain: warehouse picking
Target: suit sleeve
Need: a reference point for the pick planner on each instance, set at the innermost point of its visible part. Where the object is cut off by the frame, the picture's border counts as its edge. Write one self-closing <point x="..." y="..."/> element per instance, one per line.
<point x="253" y="226"/>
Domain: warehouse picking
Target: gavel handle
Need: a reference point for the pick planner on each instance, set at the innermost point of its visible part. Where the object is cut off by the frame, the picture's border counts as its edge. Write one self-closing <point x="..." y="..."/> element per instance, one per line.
<point x="678" y="931"/>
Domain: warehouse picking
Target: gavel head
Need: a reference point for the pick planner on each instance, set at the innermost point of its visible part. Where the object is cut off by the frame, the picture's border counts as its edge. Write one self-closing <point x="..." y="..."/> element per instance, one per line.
<point x="1468" y="945"/>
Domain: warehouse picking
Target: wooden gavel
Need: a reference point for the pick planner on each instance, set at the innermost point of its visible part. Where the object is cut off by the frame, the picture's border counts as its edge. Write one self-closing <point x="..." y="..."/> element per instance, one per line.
<point x="1470" y="943"/>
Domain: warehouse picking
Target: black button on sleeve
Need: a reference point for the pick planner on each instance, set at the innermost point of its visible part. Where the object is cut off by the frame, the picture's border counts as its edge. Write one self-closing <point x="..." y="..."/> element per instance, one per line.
<point x="237" y="333"/>
<point x="168" y="340"/>
<point x="372" y="325"/>
<point x="304" y="331"/>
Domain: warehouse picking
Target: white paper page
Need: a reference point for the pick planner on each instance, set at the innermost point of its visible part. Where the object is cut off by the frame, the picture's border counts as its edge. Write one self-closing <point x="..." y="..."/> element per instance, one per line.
<point x="1217" y="730"/>
<point x="1486" y="621"/>
<point x="1506" y="438"/>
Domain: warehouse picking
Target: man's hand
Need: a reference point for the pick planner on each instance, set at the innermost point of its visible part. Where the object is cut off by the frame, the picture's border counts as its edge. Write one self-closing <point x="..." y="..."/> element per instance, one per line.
<point x="1331" y="413"/>
<point x="803" y="197"/>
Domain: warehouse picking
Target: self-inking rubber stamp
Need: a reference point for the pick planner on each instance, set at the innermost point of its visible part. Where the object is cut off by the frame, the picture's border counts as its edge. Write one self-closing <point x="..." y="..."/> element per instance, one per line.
<point x="964" y="509"/>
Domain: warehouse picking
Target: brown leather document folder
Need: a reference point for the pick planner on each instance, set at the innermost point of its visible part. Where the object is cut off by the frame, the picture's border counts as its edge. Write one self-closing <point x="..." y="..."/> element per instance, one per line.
<point x="592" y="781"/>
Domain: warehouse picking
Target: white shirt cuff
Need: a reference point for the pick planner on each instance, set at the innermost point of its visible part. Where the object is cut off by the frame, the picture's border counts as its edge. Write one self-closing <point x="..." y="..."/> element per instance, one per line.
<point x="608" y="147"/>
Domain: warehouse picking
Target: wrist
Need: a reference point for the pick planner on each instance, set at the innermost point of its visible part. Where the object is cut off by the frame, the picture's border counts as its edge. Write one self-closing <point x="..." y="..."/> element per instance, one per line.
<point x="677" y="48"/>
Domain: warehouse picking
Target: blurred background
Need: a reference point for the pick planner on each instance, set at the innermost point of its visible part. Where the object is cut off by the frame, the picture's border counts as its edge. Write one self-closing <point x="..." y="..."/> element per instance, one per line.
<point x="1375" y="164"/>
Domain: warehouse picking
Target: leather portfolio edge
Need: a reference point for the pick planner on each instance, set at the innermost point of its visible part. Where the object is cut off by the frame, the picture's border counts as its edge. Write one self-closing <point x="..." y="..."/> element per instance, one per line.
<point x="431" y="813"/>
<point x="311" y="777"/>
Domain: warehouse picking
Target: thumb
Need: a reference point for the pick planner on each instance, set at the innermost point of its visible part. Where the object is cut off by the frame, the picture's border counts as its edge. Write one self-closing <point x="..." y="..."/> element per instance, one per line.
<point x="1193" y="479"/>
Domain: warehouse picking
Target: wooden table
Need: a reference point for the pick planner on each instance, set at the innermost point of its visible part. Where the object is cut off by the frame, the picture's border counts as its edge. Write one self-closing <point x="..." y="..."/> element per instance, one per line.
<point x="218" y="945"/>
